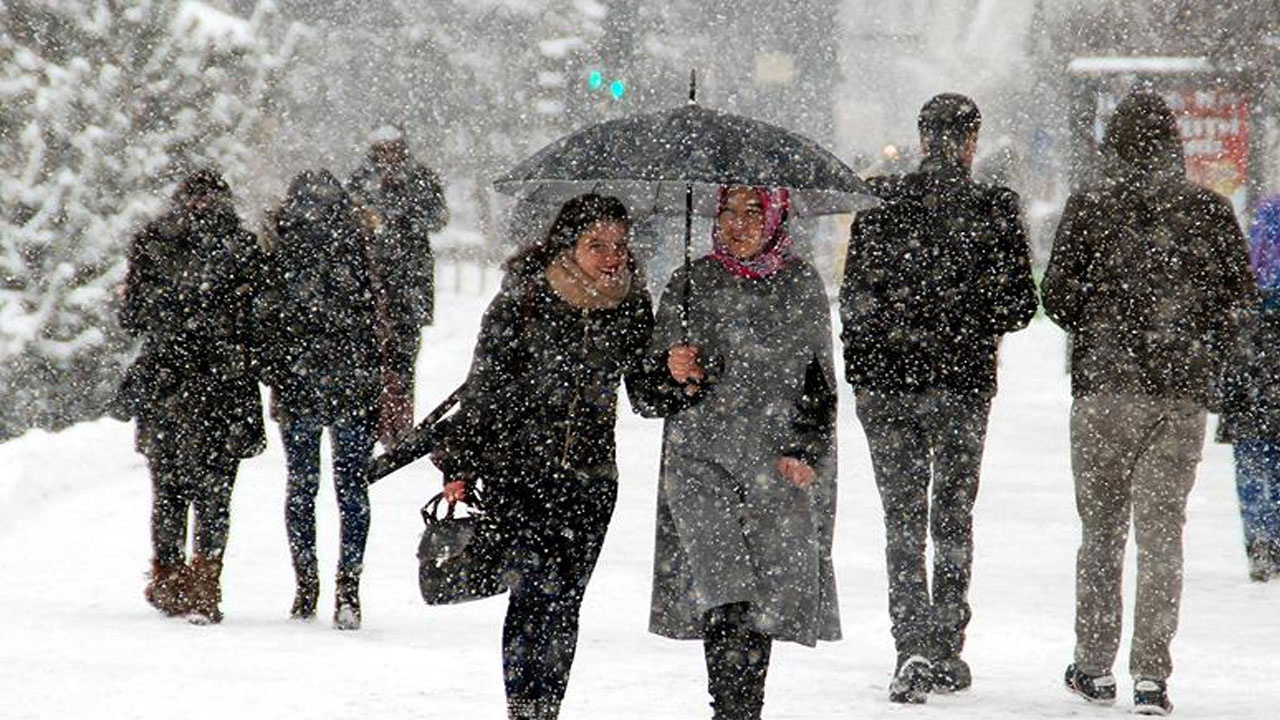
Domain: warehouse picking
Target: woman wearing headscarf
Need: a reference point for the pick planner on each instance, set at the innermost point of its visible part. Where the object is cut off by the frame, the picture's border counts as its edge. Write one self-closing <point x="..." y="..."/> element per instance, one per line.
<point x="747" y="494"/>
<point x="323" y="364"/>
<point x="189" y="294"/>
<point x="1149" y="275"/>
<point x="535" y="428"/>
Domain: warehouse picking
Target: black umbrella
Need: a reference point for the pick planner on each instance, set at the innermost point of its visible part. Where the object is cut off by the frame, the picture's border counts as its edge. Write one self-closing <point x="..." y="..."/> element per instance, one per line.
<point x="651" y="160"/>
<point x="676" y="160"/>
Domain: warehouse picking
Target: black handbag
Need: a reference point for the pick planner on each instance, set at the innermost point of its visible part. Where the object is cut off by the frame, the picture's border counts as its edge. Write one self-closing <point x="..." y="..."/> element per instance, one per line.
<point x="460" y="558"/>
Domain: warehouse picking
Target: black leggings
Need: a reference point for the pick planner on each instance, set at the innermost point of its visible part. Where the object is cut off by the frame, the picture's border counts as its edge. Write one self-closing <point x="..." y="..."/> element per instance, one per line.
<point x="179" y="483"/>
<point x="737" y="662"/>
<point x="557" y="526"/>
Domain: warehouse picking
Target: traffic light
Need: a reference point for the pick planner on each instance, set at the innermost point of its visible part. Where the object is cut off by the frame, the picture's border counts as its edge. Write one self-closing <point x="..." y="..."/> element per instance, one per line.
<point x="596" y="81"/>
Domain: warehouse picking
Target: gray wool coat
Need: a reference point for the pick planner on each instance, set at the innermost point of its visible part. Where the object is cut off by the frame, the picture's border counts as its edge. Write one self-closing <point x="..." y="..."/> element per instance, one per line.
<point x="729" y="527"/>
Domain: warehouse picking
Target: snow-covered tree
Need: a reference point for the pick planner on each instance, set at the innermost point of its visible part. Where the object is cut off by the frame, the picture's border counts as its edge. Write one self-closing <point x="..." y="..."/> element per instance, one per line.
<point x="103" y="107"/>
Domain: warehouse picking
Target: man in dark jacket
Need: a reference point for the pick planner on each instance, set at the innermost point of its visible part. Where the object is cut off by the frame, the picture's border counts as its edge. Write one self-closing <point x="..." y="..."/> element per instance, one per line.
<point x="1149" y="275"/>
<point x="402" y="203"/>
<point x="934" y="277"/>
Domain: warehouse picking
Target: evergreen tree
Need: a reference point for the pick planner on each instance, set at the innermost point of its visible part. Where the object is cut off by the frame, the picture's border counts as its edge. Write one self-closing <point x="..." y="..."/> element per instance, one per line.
<point x="103" y="107"/>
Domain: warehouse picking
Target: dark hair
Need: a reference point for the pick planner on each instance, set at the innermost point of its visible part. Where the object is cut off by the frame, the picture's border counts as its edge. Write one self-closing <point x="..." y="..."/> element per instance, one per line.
<point x="205" y="181"/>
<point x="946" y="123"/>
<point x="574" y="218"/>
<point x="318" y="186"/>
<point x="1142" y="135"/>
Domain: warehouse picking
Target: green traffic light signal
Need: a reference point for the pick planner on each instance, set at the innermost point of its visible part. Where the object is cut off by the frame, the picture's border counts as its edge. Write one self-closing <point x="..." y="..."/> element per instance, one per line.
<point x="595" y="79"/>
<point x="617" y="89"/>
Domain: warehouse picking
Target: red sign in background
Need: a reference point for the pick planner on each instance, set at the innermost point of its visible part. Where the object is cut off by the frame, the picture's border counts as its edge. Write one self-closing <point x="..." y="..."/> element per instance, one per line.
<point x="1215" y="133"/>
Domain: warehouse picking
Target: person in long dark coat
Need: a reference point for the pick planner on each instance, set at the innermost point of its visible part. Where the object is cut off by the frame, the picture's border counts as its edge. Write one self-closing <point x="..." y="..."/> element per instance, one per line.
<point x="189" y="294"/>
<point x="747" y="494"/>
<point x="934" y="277"/>
<point x="323" y="364"/>
<point x="402" y="203"/>
<point x="1149" y="275"/>
<point x="535" y="428"/>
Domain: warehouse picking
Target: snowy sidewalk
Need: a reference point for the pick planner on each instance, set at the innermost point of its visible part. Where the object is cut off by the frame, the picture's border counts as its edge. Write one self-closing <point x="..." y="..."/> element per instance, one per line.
<point x="78" y="641"/>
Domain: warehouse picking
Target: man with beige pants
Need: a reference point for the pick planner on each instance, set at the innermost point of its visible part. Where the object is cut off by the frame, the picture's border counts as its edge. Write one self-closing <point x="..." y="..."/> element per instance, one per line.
<point x="1150" y="276"/>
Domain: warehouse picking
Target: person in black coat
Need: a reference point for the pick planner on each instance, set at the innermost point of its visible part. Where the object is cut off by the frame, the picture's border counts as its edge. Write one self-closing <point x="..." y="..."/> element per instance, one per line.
<point x="934" y="277"/>
<point x="189" y="294"/>
<point x="535" y="429"/>
<point x="401" y="203"/>
<point x="323" y="364"/>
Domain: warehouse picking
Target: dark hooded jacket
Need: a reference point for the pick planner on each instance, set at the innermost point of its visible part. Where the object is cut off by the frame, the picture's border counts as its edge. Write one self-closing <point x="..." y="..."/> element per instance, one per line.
<point x="933" y="277"/>
<point x="1149" y="273"/>
<point x="323" y="359"/>
<point x="189" y="295"/>
<point x="408" y="204"/>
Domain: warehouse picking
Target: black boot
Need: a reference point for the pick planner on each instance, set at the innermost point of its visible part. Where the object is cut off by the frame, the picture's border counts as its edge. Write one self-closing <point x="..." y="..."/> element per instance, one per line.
<point x="532" y="709"/>
<point x="346" y="611"/>
<point x="737" y="663"/>
<point x="306" y="594"/>
<point x="1261" y="562"/>
<point x="912" y="681"/>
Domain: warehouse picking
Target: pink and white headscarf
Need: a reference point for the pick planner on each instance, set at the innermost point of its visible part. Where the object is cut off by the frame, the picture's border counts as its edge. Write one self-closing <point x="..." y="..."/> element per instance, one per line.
<point x="777" y="249"/>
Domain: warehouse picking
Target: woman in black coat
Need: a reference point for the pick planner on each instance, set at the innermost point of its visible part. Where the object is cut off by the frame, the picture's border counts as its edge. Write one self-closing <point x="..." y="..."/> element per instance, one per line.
<point x="189" y="295"/>
<point x="536" y="427"/>
<point x="323" y="364"/>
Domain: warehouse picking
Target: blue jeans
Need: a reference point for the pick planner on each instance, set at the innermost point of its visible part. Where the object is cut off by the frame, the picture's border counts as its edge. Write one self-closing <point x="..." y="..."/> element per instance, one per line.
<point x="1258" y="485"/>
<point x="352" y="445"/>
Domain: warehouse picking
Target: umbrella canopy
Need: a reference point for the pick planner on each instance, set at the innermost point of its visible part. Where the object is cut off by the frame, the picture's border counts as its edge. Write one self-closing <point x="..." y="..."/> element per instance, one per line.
<point x="650" y="160"/>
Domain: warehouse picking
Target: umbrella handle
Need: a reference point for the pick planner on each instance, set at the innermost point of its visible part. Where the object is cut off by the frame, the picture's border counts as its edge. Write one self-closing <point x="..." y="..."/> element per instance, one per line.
<point x="688" y="263"/>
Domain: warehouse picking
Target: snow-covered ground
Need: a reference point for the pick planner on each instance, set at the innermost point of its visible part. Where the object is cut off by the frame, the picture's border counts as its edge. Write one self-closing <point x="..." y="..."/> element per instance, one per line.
<point x="78" y="641"/>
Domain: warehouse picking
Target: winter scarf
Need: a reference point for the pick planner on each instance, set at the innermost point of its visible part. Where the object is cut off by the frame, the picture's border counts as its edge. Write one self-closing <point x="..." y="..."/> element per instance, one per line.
<point x="777" y="250"/>
<point x="572" y="284"/>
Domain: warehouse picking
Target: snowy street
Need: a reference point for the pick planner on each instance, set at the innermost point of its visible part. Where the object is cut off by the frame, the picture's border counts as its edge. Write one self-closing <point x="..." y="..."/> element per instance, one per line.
<point x="78" y="641"/>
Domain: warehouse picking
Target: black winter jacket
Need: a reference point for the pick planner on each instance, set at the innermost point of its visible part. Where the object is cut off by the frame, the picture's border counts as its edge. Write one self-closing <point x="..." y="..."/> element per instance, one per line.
<point x="189" y="295"/>
<point x="541" y="396"/>
<point x="323" y="358"/>
<point x="1151" y="279"/>
<point x="933" y="277"/>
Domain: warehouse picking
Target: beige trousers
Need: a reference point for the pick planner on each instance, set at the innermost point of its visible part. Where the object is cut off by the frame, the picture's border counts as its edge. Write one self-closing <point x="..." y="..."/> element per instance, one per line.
<point x="1135" y="457"/>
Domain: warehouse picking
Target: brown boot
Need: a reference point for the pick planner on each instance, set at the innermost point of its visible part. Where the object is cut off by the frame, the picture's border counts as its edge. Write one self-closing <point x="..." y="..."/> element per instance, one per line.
<point x="206" y="590"/>
<point x="167" y="589"/>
